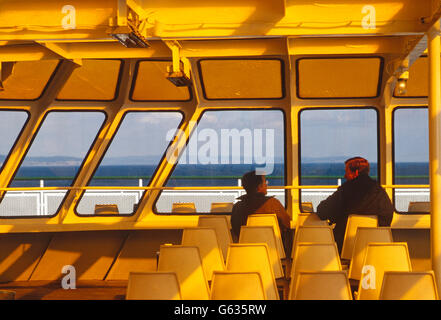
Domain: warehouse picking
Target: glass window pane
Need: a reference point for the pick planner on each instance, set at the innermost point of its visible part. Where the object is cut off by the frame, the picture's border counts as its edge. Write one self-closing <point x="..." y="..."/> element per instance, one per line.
<point x="130" y="160"/>
<point x="11" y="124"/>
<point x="28" y="80"/>
<point x="53" y="159"/>
<point x="411" y="152"/>
<point x="327" y="139"/>
<point x="151" y="83"/>
<point x="94" y="80"/>
<point x="242" y="79"/>
<point x="226" y="145"/>
<point x="338" y="78"/>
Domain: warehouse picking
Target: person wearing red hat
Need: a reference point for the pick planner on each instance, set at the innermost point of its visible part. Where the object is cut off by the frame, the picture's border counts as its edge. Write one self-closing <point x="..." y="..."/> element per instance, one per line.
<point x="360" y="194"/>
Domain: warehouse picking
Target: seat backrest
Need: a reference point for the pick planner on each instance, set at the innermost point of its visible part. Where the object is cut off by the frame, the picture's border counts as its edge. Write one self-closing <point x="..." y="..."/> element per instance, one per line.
<point x="364" y="236"/>
<point x="253" y="257"/>
<point x="322" y="285"/>
<point x="153" y="286"/>
<point x="314" y="256"/>
<point x="186" y="262"/>
<point x="211" y="253"/>
<point x="229" y="285"/>
<point x="101" y="209"/>
<point x="308" y="219"/>
<point x="307" y="207"/>
<point x="379" y="258"/>
<point x="312" y="234"/>
<point x="419" y="206"/>
<point x="269" y="220"/>
<point x="409" y="286"/>
<point x="220" y="224"/>
<point x="221" y="207"/>
<point x="355" y="221"/>
<point x="183" y="207"/>
<point x="263" y="234"/>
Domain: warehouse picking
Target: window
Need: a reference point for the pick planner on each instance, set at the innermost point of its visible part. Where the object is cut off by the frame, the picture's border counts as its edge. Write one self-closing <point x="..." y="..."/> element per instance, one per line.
<point x="225" y="145"/>
<point x="151" y="84"/>
<point x="94" y="80"/>
<point x="338" y="78"/>
<point x="411" y="158"/>
<point x="11" y="124"/>
<point x="327" y="139"/>
<point x="130" y="160"/>
<point x="242" y="79"/>
<point x="53" y="159"/>
<point x="28" y="79"/>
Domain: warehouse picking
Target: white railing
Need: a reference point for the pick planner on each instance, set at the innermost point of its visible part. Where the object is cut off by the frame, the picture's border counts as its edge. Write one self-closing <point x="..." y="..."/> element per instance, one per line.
<point x="47" y="202"/>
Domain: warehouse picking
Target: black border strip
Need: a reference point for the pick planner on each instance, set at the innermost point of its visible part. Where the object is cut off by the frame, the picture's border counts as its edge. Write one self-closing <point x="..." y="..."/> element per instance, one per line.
<point x="186" y="145"/>
<point x="118" y="84"/>
<point x="380" y="76"/>
<point x="300" y="140"/>
<point x="282" y="77"/>
<point x="80" y="168"/>
<point x="135" y="77"/>
<point x="105" y="152"/>
<point x="393" y="157"/>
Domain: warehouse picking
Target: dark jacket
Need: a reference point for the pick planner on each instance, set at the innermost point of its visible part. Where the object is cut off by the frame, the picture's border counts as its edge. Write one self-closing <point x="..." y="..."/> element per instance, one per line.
<point x="257" y="203"/>
<point x="361" y="195"/>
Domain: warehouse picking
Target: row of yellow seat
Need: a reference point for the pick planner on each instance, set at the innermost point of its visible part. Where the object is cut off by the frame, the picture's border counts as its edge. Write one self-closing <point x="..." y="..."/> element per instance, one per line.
<point x="316" y="264"/>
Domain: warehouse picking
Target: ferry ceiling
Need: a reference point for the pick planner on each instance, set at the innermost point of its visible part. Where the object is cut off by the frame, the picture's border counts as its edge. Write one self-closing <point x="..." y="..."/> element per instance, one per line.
<point x="185" y="31"/>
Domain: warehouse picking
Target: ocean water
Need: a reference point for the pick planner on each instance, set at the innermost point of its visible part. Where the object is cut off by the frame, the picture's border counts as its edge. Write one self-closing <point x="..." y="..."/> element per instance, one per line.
<point x="207" y="175"/>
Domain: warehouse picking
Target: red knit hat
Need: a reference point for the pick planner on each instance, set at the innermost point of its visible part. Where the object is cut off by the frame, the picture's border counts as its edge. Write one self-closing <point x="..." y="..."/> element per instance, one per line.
<point x="355" y="166"/>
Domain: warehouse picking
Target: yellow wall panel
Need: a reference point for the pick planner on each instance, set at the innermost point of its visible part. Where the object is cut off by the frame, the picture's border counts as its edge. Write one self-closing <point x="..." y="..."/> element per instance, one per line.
<point x="19" y="254"/>
<point x="139" y="252"/>
<point x="90" y="252"/>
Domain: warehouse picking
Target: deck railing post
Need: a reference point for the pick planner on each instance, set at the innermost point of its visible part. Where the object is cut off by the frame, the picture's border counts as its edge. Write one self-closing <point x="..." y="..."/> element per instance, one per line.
<point x="435" y="147"/>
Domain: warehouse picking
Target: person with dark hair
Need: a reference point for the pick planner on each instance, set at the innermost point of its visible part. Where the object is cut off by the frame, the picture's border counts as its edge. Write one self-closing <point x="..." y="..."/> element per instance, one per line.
<point x="256" y="201"/>
<point x="360" y="194"/>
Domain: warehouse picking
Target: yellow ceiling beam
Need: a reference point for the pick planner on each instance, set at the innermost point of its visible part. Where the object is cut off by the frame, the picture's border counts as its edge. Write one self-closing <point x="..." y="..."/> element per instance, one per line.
<point x="47" y="20"/>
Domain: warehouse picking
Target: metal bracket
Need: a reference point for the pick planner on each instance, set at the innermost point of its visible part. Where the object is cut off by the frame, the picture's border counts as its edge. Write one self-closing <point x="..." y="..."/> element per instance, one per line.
<point x="179" y="72"/>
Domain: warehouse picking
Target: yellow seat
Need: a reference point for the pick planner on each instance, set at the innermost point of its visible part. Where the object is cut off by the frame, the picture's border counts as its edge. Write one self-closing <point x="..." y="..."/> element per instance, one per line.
<point x="229" y="285"/>
<point x="322" y="285"/>
<point x="312" y="234"/>
<point x="419" y="206"/>
<point x="153" y="286"/>
<point x="379" y="258"/>
<point x="364" y="236"/>
<point x="220" y="224"/>
<point x="269" y="220"/>
<point x="186" y="262"/>
<point x="355" y="221"/>
<point x="263" y="234"/>
<point x="101" y="209"/>
<point x="206" y="240"/>
<point x="313" y="256"/>
<point x="308" y="219"/>
<point x="221" y="207"/>
<point x="307" y="207"/>
<point x="183" y="207"/>
<point x="409" y="286"/>
<point x="253" y="257"/>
